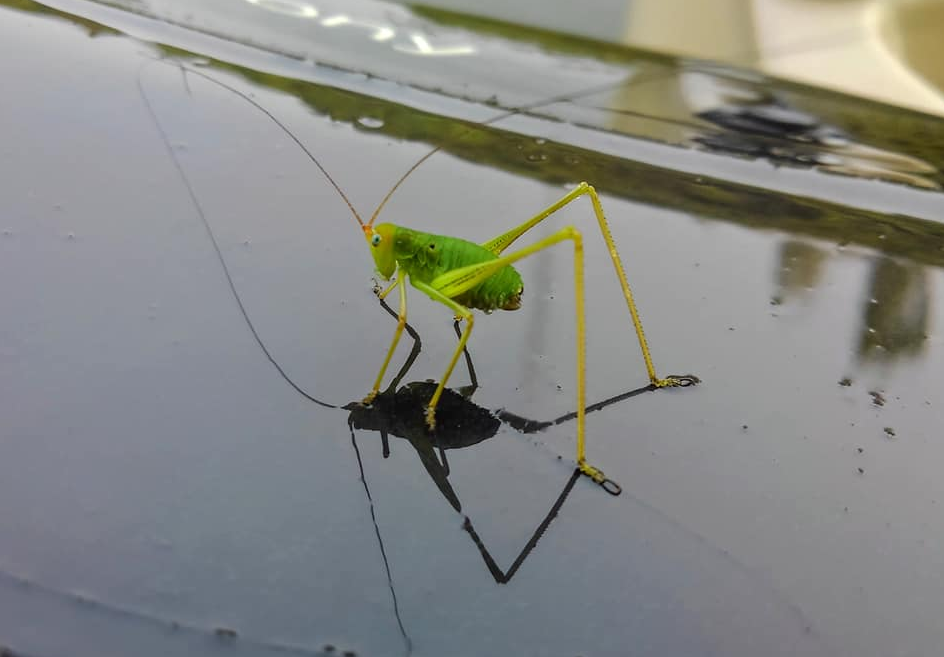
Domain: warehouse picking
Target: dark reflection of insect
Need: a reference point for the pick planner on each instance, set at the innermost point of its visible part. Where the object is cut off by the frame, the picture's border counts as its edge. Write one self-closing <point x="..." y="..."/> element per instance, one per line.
<point x="464" y="275"/>
<point x="400" y="411"/>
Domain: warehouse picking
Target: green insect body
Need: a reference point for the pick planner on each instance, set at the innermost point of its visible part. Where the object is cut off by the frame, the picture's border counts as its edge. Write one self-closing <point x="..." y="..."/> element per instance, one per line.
<point x="463" y="275"/>
<point x="424" y="257"/>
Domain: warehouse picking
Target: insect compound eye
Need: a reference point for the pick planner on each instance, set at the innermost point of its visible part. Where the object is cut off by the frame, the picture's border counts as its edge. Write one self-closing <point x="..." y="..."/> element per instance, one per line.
<point x="375" y="240"/>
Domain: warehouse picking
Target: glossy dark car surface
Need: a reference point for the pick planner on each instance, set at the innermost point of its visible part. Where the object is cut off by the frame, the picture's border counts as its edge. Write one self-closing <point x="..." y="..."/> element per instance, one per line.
<point x="165" y="490"/>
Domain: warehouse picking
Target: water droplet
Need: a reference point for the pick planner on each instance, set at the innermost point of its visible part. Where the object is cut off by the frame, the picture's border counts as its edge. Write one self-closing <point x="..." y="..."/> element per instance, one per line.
<point x="247" y="242"/>
<point x="537" y="157"/>
<point x="7" y="232"/>
<point x="873" y="301"/>
<point x="370" y="122"/>
<point x="70" y="236"/>
<point x="882" y="236"/>
<point x="540" y="142"/>
<point x="571" y="159"/>
<point x="871" y="330"/>
<point x="200" y="62"/>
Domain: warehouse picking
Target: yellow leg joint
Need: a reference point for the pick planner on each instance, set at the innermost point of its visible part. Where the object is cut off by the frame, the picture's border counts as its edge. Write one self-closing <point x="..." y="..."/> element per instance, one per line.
<point x="598" y="477"/>
<point x="677" y="381"/>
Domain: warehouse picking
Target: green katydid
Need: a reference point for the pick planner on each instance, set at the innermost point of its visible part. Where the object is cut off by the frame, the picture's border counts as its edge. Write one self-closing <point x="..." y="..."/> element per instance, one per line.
<point x="463" y="275"/>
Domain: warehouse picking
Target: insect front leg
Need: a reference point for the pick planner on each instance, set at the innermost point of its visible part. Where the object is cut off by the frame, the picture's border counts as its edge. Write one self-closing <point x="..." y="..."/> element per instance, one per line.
<point x="401" y="322"/>
<point x="383" y="292"/>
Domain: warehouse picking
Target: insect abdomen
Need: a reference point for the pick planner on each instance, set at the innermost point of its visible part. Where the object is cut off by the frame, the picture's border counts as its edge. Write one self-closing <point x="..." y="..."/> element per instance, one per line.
<point x="424" y="257"/>
<point x="500" y="292"/>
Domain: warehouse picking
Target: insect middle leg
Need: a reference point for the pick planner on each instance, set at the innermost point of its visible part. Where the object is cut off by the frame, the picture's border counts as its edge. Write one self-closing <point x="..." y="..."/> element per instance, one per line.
<point x="469" y="390"/>
<point x="460" y="311"/>
<point x="466" y="391"/>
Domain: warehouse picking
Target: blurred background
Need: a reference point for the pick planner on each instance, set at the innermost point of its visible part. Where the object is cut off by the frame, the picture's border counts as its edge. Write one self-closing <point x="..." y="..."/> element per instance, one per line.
<point x="187" y="323"/>
<point x="886" y="50"/>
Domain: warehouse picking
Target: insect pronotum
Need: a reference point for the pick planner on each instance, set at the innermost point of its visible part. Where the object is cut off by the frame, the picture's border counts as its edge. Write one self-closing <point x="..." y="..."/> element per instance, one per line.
<point x="464" y="275"/>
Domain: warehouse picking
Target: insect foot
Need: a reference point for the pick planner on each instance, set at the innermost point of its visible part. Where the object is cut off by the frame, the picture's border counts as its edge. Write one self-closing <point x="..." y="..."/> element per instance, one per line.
<point x="366" y="401"/>
<point x="677" y="381"/>
<point x="431" y="418"/>
<point x="597" y="475"/>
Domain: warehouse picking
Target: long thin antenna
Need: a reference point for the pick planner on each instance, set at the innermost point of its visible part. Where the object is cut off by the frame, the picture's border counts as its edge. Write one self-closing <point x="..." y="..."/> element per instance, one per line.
<point x="497" y="117"/>
<point x="307" y="152"/>
<point x="402" y="178"/>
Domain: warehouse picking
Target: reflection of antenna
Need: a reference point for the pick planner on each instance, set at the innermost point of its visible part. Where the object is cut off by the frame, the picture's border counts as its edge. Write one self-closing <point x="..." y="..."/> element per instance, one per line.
<point x="408" y="642"/>
<point x="216" y="247"/>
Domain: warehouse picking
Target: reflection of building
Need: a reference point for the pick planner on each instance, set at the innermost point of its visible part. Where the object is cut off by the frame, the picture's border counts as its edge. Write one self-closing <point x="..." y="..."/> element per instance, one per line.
<point x="896" y="311"/>
<point x="896" y="305"/>
<point x="886" y="50"/>
<point x="800" y="267"/>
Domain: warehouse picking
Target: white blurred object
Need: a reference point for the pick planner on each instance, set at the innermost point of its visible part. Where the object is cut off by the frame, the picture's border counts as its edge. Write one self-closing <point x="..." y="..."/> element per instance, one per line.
<point x="886" y="50"/>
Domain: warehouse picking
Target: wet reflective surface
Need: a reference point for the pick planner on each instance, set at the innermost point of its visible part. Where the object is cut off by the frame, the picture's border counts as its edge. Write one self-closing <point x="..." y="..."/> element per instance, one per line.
<point x="164" y="490"/>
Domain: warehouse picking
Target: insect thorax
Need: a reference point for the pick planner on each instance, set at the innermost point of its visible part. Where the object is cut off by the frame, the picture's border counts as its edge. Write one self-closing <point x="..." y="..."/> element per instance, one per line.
<point x="425" y="256"/>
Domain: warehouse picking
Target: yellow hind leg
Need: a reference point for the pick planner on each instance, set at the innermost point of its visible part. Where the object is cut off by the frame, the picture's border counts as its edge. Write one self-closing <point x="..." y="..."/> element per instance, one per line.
<point x="503" y="241"/>
<point x="453" y="283"/>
